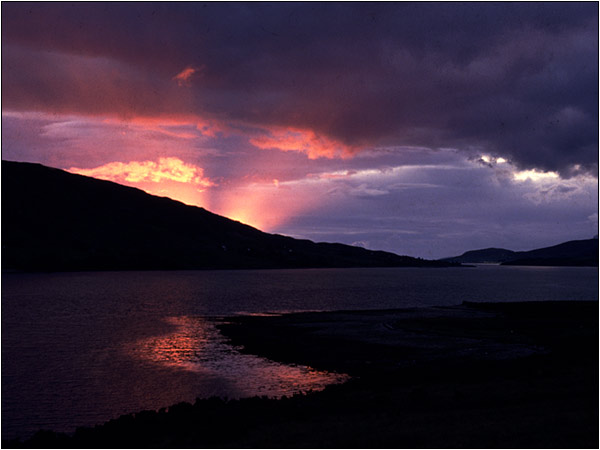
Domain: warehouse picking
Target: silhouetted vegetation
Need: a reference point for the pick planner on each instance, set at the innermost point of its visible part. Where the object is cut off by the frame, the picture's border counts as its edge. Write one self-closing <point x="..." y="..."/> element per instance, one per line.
<point x="57" y="221"/>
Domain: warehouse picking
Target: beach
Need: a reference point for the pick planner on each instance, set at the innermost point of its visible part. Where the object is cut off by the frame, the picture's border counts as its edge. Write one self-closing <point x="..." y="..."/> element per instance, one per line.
<point x="475" y="375"/>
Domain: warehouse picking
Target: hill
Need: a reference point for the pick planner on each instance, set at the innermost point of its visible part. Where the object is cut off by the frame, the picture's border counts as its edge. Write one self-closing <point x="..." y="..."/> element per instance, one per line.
<point x="485" y="255"/>
<point x="571" y="253"/>
<point x="53" y="220"/>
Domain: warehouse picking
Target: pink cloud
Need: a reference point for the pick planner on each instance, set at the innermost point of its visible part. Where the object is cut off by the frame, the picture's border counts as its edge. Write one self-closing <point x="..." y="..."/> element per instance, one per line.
<point x="165" y="169"/>
<point x="183" y="77"/>
<point x="305" y="141"/>
<point x="167" y="177"/>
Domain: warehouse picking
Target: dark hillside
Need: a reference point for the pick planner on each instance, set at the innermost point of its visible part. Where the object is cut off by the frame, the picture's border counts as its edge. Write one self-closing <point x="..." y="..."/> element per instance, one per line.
<point x="572" y="253"/>
<point x="54" y="220"/>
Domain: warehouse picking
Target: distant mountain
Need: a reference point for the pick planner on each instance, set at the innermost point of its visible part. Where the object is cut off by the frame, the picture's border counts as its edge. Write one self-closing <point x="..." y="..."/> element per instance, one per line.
<point x="57" y="221"/>
<point x="572" y="253"/>
<point x="486" y="255"/>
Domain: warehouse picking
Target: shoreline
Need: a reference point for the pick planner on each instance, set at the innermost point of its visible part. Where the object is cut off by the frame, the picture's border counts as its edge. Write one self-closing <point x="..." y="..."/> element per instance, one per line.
<point x="475" y="375"/>
<point x="357" y="341"/>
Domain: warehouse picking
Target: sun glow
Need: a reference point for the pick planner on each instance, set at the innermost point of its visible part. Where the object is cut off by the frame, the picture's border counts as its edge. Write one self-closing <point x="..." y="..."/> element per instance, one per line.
<point x="167" y="177"/>
<point x="246" y="214"/>
<point x="258" y="205"/>
<point x="172" y="169"/>
<point x="264" y="205"/>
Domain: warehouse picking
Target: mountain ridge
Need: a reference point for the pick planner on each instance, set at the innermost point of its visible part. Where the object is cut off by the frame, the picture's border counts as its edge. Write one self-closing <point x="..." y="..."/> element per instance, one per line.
<point x="59" y="221"/>
<point x="582" y="252"/>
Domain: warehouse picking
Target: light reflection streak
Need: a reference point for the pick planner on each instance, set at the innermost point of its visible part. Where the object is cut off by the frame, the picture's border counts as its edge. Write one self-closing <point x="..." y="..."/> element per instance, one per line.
<point x="197" y="346"/>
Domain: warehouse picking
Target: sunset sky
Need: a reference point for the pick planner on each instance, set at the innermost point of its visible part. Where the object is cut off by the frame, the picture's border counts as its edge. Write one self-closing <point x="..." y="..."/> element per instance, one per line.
<point x="419" y="128"/>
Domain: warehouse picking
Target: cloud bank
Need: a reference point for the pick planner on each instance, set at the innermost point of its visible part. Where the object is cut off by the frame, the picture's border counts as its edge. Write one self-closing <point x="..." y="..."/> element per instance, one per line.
<point x="517" y="80"/>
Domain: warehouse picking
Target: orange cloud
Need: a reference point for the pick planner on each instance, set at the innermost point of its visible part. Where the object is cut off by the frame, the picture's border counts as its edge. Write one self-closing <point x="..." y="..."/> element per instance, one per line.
<point x="266" y="204"/>
<point x="168" y="177"/>
<point x="205" y="126"/>
<point x="305" y="141"/>
<point x="183" y="77"/>
<point x="172" y="169"/>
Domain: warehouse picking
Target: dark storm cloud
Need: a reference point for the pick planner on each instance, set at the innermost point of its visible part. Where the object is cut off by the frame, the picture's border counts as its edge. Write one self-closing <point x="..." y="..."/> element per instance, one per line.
<point x="517" y="80"/>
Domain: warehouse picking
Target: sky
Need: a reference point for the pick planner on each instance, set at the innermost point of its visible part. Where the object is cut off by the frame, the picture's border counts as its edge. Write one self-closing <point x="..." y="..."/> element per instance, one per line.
<point x="424" y="129"/>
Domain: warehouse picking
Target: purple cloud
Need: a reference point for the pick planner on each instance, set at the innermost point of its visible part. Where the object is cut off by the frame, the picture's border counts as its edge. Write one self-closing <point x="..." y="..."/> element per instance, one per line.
<point x="517" y="81"/>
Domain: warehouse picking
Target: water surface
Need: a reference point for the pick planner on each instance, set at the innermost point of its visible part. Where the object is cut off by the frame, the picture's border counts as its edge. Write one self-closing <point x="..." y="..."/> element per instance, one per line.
<point x="82" y="348"/>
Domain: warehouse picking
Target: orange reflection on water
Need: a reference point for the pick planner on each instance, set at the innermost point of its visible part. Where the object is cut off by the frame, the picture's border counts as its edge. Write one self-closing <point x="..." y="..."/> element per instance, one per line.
<point x="178" y="349"/>
<point x="196" y="345"/>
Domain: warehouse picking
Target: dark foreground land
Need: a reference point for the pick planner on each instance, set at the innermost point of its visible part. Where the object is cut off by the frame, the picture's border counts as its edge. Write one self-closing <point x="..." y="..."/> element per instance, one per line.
<point x="476" y="375"/>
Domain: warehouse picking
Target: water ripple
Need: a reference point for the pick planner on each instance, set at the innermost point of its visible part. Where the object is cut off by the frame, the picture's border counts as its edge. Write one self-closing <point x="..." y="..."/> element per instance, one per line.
<point x="195" y="345"/>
